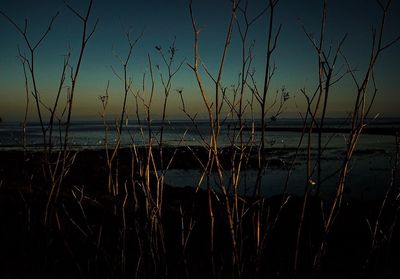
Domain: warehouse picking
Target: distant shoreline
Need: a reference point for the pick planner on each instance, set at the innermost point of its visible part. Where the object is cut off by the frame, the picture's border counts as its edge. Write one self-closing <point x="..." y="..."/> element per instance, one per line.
<point x="384" y="131"/>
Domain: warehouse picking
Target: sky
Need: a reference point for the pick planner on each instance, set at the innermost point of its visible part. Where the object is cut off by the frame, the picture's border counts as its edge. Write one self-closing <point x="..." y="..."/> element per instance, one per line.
<point x="161" y="23"/>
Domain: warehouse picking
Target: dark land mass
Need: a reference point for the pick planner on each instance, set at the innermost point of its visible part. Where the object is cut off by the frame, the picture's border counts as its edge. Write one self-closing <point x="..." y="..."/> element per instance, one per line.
<point x="384" y="131"/>
<point x="92" y="233"/>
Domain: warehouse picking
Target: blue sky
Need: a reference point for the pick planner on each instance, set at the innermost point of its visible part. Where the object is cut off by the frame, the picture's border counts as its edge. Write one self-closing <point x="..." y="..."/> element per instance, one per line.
<point x="162" y="21"/>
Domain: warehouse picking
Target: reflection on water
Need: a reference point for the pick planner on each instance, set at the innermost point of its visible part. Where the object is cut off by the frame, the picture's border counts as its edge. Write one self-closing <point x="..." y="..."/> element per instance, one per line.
<point x="369" y="177"/>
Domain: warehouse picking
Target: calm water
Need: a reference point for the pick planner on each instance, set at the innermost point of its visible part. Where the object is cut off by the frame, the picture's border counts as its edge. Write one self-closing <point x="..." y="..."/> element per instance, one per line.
<point x="91" y="134"/>
<point x="370" y="169"/>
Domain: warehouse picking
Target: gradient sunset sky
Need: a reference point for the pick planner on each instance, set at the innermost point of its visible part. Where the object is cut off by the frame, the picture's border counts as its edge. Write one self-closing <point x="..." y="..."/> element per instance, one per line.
<point x="161" y="21"/>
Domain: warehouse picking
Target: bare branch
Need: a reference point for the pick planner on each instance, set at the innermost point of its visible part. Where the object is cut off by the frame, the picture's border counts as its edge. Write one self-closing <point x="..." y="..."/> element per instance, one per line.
<point x="74" y="11"/>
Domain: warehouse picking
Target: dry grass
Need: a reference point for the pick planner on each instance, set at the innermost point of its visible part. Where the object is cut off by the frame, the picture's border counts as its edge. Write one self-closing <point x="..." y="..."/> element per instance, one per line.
<point x="125" y="221"/>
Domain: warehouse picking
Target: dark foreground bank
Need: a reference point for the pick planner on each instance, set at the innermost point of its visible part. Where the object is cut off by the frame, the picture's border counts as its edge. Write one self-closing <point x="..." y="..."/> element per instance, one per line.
<point x="92" y="233"/>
